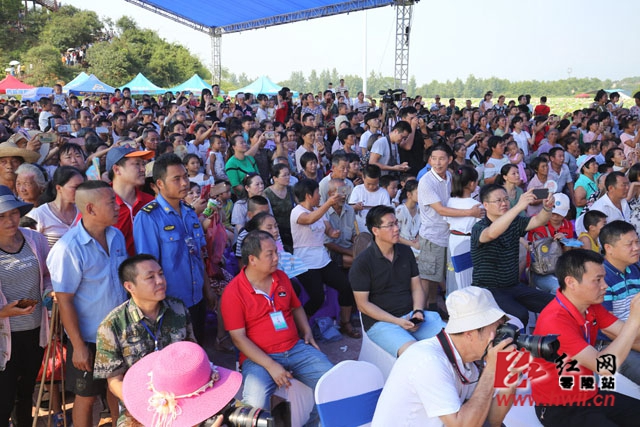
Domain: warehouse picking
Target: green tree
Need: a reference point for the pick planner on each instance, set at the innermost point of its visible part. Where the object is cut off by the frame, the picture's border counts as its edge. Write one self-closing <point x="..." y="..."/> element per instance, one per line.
<point x="110" y="63"/>
<point x="71" y="28"/>
<point x="43" y="66"/>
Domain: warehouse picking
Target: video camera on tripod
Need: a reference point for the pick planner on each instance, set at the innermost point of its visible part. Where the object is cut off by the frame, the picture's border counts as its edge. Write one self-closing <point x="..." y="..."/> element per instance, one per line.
<point x="390" y="96"/>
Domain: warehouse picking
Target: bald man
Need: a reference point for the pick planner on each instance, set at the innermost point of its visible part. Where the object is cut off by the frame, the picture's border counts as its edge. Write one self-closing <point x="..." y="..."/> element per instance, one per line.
<point x="84" y="273"/>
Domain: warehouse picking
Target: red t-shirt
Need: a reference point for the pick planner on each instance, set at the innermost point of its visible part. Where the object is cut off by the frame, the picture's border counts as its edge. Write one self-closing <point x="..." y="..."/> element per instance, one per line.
<point x="575" y="332"/>
<point x="566" y="227"/>
<point x="541" y="110"/>
<point x="242" y="307"/>
<point x="125" y="217"/>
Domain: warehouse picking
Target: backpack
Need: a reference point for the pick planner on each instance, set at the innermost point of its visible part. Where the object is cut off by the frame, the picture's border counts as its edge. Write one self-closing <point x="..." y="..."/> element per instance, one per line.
<point x="545" y="252"/>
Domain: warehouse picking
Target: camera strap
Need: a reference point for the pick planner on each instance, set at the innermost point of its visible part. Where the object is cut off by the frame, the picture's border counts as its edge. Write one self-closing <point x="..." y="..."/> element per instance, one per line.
<point x="448" y="351"/>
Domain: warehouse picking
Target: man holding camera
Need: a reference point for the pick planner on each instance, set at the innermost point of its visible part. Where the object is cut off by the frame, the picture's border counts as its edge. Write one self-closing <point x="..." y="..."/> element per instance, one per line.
<point x="569" y="394"/>
<point x="268" y="325"/>
<point x="436" y="381"/>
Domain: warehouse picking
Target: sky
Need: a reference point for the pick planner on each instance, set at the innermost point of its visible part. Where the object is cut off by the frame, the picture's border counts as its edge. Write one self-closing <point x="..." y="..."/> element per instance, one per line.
<point x="516" y="40"/>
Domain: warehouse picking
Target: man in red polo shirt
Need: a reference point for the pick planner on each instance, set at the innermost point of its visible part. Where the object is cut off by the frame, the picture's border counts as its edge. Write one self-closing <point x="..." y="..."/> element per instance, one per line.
<point x="269" y="326"/>
<point x="125" y="166"/>
<point x="569" y="394"/>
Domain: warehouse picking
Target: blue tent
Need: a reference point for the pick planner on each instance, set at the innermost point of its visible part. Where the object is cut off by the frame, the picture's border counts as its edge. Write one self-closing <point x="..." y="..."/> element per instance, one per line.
<point x="91" y="85"/>
<point x="36" y="93"/>
<point x="261" y="85"/>
<point x="141" y="85"/>
<point x="194" y="84"/>
<point x="77" y="80"/>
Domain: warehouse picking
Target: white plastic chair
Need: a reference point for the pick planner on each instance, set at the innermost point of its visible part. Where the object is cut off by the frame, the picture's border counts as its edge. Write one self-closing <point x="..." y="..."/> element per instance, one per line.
<point x="373" y="353"/>
<point x="301" y="399"/>
<point x="347" y="394"/>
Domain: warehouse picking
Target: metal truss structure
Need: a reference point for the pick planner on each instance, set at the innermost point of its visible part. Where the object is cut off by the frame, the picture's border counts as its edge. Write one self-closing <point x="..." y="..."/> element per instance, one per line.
<point x="404" y="12"/>
<point x="218" y="18"/>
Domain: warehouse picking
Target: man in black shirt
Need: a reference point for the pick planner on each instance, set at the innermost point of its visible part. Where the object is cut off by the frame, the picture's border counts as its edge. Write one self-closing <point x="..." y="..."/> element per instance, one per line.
<point x="495" y="243"/>
<point x="386" y="286"/>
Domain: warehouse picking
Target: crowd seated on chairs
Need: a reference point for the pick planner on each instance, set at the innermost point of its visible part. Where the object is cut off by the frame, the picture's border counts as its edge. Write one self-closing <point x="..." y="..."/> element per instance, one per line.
<point x="372" y="225"/>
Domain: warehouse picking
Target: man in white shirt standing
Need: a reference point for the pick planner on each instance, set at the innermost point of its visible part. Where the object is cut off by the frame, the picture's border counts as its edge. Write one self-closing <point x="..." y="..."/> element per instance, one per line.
<point x="434" y="190"/>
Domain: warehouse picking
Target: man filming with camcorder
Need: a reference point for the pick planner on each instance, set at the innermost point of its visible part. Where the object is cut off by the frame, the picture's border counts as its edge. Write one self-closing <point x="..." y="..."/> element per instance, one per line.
<point x="439" y="381"/>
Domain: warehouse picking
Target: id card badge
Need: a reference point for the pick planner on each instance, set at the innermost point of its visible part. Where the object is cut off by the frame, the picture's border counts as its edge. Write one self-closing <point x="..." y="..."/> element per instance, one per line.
<point x="278" y="321"/>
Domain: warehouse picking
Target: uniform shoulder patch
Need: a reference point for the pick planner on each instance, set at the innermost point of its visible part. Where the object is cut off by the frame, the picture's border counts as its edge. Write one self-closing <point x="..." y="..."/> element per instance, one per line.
<point x="150" y="206"/>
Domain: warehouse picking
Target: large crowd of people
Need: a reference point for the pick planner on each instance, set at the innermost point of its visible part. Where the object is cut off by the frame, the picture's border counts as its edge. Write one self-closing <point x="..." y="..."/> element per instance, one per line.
<point x="137" y="216"/>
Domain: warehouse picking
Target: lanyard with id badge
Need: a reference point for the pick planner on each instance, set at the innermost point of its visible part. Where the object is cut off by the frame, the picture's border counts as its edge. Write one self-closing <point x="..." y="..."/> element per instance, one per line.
<point x="277" y="318"/>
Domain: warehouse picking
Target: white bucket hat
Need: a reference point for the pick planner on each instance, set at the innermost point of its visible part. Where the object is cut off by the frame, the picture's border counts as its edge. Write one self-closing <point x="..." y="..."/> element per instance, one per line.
<point x="471" y="308"/>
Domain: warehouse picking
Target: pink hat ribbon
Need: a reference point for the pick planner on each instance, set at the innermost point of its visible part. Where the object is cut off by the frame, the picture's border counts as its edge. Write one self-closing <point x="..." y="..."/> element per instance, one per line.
<point x="165" y="404"/>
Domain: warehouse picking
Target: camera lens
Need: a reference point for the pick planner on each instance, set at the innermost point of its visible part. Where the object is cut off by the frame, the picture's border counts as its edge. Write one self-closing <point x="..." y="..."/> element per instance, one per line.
<point x="545" y="347"/>
<point x="247" y="416"/>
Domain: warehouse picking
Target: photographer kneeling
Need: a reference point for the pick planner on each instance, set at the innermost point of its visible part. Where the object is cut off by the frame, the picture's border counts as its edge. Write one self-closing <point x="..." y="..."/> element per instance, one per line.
<point x="436" y="381"/>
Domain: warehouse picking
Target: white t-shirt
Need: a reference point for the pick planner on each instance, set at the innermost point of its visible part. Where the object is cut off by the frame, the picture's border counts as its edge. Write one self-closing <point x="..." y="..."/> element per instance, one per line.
<point x="423" y="386"/>
<point x="360" y="194"/>
<point x="363" y="106"/>
<point x="522" y="139"/>
<point x="463" y="224"/>
<point x="409" y="225"/>
<point x="308" y="240"/>
<point x="381" y="147"/>
<point x="364" y="139"/>
<point x="49" y="224"/>
<point x="606" y="206"/>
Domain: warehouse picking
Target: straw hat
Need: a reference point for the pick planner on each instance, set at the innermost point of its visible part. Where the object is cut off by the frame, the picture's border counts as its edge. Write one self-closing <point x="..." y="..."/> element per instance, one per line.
<point x="10" y="149"/>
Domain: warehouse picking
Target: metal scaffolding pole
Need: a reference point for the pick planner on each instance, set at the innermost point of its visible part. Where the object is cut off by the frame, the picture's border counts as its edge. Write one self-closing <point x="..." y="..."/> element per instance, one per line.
<point x="404" y="9"/>
<point x="216" y="46"/>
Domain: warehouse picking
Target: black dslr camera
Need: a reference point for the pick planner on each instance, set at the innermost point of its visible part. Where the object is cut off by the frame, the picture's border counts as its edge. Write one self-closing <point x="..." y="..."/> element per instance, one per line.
<point x="545" y="347"/>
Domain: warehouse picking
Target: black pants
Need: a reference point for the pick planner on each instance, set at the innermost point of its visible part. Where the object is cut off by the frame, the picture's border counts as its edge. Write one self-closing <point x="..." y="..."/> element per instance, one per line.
<point x="520" y="299"/>
<point x="608" y="409"/>
<point x="332" y="276"/>
<point x="198" y="313"/>
<point x="18" y="379"/>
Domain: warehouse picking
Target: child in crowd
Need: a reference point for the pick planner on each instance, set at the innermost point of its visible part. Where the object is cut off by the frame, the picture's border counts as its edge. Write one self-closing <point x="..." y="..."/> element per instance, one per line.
<point x="593" y="223"/>
<point x="193" y="164"/>
<point x="216" y="159"/>
<point x="408" y="216"/>
<point x="463" y="184"/>
<point x="391" y="184"/>
<point x="516" y="158"/>
<point x="367" y="195"/>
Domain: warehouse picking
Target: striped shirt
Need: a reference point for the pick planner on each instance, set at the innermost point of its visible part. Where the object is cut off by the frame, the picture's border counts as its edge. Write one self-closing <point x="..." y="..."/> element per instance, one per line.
<point x="20" y="275"/>
<point x="495" y="263"/>
<point x="622" y="287"/>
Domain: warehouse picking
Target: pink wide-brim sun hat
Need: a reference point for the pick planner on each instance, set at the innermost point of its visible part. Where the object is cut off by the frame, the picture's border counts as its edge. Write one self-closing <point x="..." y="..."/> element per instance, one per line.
<point x="181" y="370"/>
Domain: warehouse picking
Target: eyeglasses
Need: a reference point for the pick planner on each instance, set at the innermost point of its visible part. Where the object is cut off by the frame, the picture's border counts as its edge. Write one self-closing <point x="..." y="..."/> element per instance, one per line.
<point x="391" y="225"/>
<point x="499" y="201"/>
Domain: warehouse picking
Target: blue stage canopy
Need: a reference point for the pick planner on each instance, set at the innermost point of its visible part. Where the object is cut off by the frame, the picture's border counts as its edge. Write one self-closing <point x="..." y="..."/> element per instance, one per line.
<point x="76" y="81"/>
<point x="195" y="84"/>
<point x="91" y="85"/>
<point x="261" y="85"/>
<point x="140" y="85"/>
<point x="242" y="15"/>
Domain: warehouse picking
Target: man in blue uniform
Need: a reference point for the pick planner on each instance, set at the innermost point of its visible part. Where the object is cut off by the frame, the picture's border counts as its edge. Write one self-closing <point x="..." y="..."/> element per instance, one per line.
<point x="169" y="229"/>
